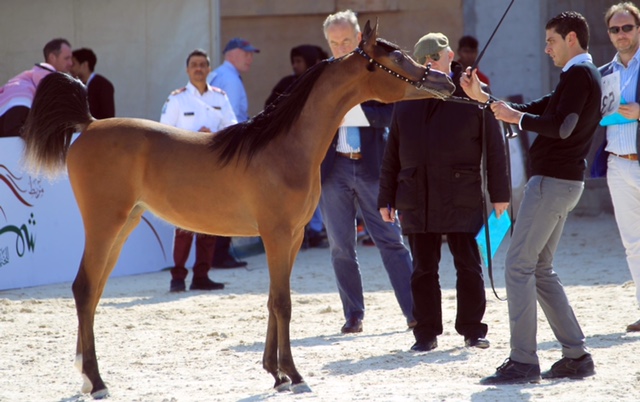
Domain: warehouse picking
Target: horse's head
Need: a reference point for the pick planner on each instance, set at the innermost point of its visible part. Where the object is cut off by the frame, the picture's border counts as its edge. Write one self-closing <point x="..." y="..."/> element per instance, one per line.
<point x="387" y="59"/>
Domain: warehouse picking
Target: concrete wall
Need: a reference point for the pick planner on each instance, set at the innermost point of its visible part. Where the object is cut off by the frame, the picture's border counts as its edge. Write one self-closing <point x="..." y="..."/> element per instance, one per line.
<point x="515" y="60"/>
<point x="142" y="44"/>
<point x="276" y="26"/>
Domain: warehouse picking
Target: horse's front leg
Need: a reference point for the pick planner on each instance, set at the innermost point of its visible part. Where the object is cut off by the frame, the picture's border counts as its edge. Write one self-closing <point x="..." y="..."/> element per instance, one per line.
<point x="270" y="356"/>
<point x="280" y="256"/>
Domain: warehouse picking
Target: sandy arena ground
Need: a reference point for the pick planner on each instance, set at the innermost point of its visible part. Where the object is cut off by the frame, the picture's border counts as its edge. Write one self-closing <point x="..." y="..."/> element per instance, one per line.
<point x="199" y="346"/>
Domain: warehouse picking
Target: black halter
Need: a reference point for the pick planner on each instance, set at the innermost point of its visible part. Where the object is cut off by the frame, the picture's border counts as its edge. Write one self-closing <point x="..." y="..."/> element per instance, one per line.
<point x="417" y="84"/>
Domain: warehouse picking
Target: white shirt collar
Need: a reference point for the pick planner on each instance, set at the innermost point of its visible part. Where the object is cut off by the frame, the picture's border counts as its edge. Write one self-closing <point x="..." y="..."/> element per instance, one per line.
<point x="192" y="88"/>
<point x="578" y="59"/>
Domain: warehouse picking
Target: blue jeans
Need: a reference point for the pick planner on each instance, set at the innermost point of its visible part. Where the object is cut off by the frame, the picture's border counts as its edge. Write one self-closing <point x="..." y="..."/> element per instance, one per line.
<point x="342" y="191"/>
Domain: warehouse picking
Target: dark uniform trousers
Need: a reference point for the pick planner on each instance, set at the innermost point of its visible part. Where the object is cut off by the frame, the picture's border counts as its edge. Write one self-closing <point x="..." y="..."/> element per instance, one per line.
<point x="425" y="285"/>
<point x="205" y="247"/>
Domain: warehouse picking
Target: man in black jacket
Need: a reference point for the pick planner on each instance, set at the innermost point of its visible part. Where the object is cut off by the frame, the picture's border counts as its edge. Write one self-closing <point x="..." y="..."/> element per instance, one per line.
<point x="431" y="174"/>
<point x="99" y="89"/>
<point x="565" y="121"/>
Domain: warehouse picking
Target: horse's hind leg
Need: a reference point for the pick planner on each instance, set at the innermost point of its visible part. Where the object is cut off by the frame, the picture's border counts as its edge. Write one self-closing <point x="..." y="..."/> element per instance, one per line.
<point x="277" y="358"/>
<point x="105" y="237"/>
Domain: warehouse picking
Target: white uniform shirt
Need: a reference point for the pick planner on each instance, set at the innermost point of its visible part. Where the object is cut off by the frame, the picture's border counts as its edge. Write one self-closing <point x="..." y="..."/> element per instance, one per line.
<point x="185" y="108"/>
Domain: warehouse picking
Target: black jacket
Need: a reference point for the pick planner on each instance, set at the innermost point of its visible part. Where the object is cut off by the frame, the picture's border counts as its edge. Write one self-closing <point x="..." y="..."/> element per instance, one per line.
<point x="431" y="170"/>
<point x="559" y="151"/>
<point x="100" y="95"/>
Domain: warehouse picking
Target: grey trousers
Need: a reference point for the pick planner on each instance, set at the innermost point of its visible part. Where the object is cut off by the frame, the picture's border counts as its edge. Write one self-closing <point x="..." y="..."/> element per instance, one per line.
<point x="529" y="269"/>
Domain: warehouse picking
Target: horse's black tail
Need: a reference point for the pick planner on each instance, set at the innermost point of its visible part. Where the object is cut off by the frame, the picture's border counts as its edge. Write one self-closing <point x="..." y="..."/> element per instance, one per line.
<point x="59" y="109"/>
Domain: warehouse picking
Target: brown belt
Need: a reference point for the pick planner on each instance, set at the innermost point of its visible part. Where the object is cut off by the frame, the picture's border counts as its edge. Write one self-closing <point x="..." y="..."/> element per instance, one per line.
<point x="631" y="157"/>
<point x="350" y="155"/>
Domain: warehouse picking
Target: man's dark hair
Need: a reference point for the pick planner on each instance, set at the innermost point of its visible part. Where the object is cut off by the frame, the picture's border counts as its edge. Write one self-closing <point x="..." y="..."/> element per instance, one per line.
<point x="87" y="55"/>
<point x="628" y="7"/>
<point x="468" y="41"/>
<point x="54" y="46"/>
<point x="198" y="52"/>
<point x="311" y="54"/>
<point x="571" y="21"/>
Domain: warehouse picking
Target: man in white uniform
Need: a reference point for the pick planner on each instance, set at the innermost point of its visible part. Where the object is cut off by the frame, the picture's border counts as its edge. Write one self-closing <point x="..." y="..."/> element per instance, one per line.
<point x="196" y="107"/>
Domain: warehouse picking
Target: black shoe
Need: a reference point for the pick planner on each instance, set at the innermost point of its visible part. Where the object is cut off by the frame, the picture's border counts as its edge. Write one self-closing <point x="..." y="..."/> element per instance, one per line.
<point x="571" y="368"/>
<point x="480" y="343"/>
<point x="513" y="372"/>
<point x="177" y="285"/>
<point x="352" y="326"/>
<point x="229" y="262"/>
<point x="205" y="283"/>
<point x="425" y="346"/>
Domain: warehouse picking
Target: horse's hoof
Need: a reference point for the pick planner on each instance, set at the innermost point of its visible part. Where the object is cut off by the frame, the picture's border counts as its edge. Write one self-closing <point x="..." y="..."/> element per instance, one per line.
<point x="300" y="388"/>
<point x="103" y="393"/>
<point x="283" y="387"/>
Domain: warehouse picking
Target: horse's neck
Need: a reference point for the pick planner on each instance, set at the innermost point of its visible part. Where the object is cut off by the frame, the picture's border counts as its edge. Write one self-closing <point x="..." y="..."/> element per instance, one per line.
<point x="340" y="88"/>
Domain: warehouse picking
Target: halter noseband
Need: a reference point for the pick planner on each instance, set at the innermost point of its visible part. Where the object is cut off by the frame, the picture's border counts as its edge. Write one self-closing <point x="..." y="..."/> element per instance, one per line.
<point x="417" y="84"/>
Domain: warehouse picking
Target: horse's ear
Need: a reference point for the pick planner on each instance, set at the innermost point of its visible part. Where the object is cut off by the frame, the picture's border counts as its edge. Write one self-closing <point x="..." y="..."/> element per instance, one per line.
<point x="370" y="35"/>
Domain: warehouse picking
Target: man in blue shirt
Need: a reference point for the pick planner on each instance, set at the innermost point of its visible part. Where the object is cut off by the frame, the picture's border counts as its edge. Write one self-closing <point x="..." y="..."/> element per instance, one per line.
<point x="238" y="56"/>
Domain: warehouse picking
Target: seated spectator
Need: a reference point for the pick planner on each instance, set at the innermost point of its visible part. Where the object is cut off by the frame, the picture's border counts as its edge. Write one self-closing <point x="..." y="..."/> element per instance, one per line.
<point x="17" y="94"/>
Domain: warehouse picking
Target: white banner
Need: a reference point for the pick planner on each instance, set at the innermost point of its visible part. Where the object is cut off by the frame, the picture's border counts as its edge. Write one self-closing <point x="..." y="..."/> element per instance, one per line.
<point x="41" y="232"/>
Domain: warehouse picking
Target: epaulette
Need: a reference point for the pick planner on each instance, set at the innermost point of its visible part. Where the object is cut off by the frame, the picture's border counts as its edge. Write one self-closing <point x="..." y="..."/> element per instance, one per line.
<point x="179" y="91"/>
<point x="216" y="89"/>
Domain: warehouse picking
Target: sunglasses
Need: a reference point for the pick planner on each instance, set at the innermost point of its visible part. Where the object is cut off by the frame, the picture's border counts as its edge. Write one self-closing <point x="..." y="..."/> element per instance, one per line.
<point x="434" y="57"/>
<point x="625" y="28"/>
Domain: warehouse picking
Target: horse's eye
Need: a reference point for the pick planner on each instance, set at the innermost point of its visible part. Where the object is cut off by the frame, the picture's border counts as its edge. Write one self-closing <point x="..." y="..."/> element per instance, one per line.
<point x="397" y="56"/>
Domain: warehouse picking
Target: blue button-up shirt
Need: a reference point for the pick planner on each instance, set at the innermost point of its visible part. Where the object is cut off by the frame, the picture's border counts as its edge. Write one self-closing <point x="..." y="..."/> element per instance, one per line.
<point x="227" y="78"/>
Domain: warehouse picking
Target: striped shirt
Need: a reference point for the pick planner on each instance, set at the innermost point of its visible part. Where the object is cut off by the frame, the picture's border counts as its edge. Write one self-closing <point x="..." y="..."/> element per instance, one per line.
<point x="621" y="138"/>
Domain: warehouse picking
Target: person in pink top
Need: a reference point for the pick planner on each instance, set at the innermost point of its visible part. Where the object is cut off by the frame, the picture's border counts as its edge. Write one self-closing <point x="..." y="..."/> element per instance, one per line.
<point x="17" y="94"/>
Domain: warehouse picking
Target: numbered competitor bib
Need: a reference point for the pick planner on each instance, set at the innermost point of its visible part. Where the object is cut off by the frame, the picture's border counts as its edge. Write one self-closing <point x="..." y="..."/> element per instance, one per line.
<point x="610" y="94"/>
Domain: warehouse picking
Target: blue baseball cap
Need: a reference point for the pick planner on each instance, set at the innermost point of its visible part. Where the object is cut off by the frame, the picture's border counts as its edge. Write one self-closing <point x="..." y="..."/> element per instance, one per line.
<point x="239" y="43"/>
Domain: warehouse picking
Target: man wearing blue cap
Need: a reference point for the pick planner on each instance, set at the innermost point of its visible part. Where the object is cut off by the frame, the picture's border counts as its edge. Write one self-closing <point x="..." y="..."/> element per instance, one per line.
<point x="238" y="56"/>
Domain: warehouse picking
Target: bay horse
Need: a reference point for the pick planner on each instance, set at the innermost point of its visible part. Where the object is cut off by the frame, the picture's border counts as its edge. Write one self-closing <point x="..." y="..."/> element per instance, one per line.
<point x="268" y="169"/>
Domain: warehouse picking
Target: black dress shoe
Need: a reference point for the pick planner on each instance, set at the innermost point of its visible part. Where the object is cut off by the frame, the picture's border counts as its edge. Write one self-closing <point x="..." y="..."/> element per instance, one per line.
<point x="205" y="283"/>
<point x="571" y="368"/>
<point x="177" y="285"/>
<point x="480" y="343"/>
<point x="425" y="346"/>
<point x="229" y="262"/>
<point x="513" y="372"/>
<point x="352" y="326"/>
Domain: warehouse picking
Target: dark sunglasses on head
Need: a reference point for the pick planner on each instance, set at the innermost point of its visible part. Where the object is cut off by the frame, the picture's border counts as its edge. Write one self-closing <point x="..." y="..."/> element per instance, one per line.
<point x="625" y="28"/>
<point x="434" y="57"/>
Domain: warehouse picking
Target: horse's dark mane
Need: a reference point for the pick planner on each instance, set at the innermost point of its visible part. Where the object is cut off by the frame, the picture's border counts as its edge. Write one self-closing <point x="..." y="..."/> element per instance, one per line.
<point x="253" y="135"/>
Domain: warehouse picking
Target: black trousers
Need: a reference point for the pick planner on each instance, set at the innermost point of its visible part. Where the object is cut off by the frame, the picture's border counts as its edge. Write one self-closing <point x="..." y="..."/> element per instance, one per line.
<point x="425" y="285"/>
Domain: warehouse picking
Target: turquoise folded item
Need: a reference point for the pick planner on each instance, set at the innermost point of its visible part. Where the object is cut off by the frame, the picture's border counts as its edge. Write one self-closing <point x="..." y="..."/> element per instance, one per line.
<point x="498" y="228"/>
<point x="615" y="118"/>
